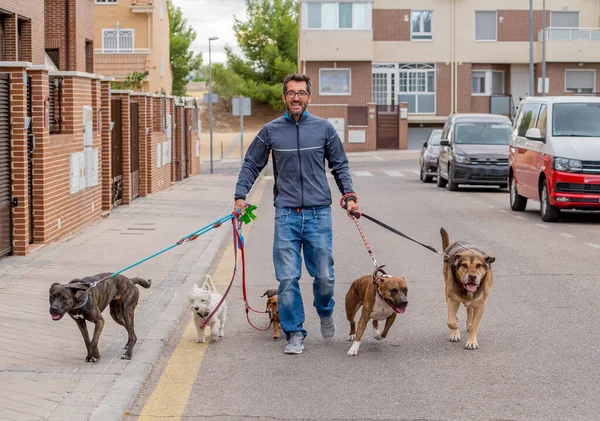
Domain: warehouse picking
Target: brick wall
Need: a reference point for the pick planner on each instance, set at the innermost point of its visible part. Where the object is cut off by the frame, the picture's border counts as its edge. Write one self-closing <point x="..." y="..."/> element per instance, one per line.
<point x="144" y="139"/>
<point x="443" y="89"/>
<point x="126" y="136"/>
<point x="341" y="111"/>
<point x="556" y="73"/>
<point x="84" y="31"/>
<point x="34" y="44"/>
<point x="360" y="82"/>
<point x="515" y="25"/>
<point x="177" y="145"/>
<point x="61" y="211"/>
<point x="194" y="140"/>
<point x="464" y="88"/>
<point x="402" y="128"/>
<point x="160" y="177"/>
<point x="389" y="25"/>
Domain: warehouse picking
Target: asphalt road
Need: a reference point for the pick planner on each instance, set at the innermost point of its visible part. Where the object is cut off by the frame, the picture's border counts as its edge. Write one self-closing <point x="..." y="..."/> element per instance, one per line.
<point x="539" y="337"/>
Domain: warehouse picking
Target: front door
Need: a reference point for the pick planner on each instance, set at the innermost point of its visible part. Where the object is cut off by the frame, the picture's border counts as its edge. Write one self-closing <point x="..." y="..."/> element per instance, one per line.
<point x="388" y="124"/>
<point x="116" y="164"/>
<point x="135" y="149"/>
<point x="30" y="150"/>
<point x="5" y="186"/>
<point x="519" y="84"/>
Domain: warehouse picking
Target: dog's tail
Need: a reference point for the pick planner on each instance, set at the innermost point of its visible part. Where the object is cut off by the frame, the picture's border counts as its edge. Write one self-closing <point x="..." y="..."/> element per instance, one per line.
<point x="445" y="239"/>
<point x="142" y="282"/>
<point x="269" y="293"/>
<point x="208" y="281"/>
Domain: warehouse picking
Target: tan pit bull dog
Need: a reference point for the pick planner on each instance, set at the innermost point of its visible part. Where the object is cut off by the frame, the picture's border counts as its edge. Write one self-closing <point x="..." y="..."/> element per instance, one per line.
<point x="381" y="297"/>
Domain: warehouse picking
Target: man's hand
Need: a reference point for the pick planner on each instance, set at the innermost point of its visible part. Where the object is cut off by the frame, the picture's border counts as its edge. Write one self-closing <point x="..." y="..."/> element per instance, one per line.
<point x="240" y="203"/>
<point x="352" y="206"/>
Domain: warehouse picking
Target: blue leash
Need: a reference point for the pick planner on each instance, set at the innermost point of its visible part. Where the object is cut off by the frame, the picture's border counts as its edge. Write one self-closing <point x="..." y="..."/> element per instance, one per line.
<point x="185" y="239"/>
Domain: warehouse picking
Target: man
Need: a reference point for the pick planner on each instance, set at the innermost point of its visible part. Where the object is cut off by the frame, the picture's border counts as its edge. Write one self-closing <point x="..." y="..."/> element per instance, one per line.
<point x="300" y="144"/>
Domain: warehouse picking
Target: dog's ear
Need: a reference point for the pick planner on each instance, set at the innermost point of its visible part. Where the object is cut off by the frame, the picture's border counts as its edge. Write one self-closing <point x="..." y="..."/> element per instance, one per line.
<point x="205" y="287"/>
<point x="379" y="281"/>
<point x="490" y="259"/>
<point x="455" y="260"/>
<point x="79" y="286"/>
<point x="53" y="285"/>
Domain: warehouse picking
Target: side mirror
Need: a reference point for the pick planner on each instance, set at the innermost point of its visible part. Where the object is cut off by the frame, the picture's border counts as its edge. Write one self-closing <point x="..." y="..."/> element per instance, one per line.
<point x="535" y="134"/>
<point x="444" y="142"/>
<point x="425" y="144"/>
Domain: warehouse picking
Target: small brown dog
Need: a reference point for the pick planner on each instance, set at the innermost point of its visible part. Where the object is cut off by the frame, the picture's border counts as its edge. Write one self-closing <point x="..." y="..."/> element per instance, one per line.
<point x="468" y="278"/>
<point x="381" y="297"/>
<point x="273" y="310"/>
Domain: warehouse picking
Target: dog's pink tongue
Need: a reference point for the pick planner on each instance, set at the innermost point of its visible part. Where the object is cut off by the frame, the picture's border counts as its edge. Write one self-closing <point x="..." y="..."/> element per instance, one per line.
<point x="55" y="317"/>
<point x="471" y="287"/>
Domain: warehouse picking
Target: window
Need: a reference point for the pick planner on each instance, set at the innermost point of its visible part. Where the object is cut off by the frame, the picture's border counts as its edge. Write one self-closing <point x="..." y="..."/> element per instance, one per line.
<point x="106" y="2"/>
<point x="526" y="118"/>
<point x="564" y="19"/>
<point x="542" y="119"/>
<point x="487" y="82"/>
<point x="380" y="88"/>
<point x="416" y="86"/>
<point x="485" y="26"/>
<point x="2" y="37"/>
<point x="335" y="82"/>
<point x="117" y="40"/>
<point x="581" y="119"/>
<point x="337" y="15"/>
<point x="482" y="133"/>
<point x="421" y="25"/>
<point x="580" y="81"/>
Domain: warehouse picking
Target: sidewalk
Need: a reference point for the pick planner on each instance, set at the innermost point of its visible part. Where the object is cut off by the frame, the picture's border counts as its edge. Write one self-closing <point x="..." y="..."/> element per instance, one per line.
<point x="43" y="373"/>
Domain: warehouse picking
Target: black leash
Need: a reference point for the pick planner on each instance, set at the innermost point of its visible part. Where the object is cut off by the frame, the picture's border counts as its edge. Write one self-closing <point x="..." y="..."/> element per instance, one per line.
<point x="395" y="231"/>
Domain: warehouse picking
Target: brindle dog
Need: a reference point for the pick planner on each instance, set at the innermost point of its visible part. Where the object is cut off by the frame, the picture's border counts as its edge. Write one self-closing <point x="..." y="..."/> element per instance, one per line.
<point x="83" y="301"/>
<point x="468" y="278"/>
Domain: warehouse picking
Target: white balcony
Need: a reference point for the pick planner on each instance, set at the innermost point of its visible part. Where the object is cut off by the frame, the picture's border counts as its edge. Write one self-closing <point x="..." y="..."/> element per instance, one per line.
<point x="569" y="45"/>
<point x="122" y="51"/>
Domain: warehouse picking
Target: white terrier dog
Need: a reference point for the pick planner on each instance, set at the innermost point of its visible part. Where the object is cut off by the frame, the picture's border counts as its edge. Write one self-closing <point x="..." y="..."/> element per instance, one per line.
<point x="203" y="300"/>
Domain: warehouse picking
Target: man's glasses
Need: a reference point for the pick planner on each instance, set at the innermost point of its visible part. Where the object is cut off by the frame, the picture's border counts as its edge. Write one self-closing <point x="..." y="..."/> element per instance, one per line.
<point x="292" y="94"/>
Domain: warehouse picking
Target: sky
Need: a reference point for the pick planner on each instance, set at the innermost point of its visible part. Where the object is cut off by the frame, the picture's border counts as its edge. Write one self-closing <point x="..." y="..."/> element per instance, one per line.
<point x="213" y="18"/>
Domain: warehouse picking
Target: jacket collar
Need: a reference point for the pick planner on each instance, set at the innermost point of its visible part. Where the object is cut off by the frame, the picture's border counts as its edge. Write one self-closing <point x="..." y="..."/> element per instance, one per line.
<point x="287" y="116"/>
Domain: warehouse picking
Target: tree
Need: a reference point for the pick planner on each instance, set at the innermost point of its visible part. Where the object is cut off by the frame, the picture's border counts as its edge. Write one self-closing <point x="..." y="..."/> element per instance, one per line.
<point x="132" y="81"/>
<point x="269" y="42"/>
<point x="183" y="60"/>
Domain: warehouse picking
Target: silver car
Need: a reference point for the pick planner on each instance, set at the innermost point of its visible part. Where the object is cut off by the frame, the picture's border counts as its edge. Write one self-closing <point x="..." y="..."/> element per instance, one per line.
<point x="428" y="159"/>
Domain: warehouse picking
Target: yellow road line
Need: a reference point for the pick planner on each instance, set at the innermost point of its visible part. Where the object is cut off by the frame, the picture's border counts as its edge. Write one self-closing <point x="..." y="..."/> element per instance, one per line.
<point x="171" y="394"/>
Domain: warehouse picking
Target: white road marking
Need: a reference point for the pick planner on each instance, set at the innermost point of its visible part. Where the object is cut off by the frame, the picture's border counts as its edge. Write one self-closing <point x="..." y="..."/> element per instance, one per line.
<point x="416" y="172"/>
<point x="491" y="206"/>
<point x="564" y="234"/>
<point x="541" y="225"/>
<point x="363" y="174"/>
<point x="596" y="246"/>
<point x="394" y="173"/>
<point x="503" y="210"/>
<point x="519" y="217"/>
<point x="378" y="157"/>
<point x="479" y="202"/>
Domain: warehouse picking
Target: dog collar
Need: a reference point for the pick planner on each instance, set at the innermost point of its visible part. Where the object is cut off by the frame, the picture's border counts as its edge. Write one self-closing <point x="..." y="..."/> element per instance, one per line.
<point x="84" y="301"/>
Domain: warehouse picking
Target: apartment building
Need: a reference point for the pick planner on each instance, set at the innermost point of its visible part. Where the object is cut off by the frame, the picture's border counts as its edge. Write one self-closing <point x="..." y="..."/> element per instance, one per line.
<point x="441" y="57"/>
<point x="133" y="36"/>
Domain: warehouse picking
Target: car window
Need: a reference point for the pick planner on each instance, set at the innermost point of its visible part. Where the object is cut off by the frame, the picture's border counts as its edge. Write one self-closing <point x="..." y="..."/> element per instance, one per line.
<point x="482" y="133"/>
<point x="542" y="120"/>
<point x="435" y="138"/>
<point x="580" y="119"/>
<point x="526" y="118"/>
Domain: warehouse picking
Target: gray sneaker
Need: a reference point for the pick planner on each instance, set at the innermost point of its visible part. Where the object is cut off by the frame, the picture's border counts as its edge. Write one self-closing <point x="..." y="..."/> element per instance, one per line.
<point x="327" y="327"/>
<point x="295" y="344"/>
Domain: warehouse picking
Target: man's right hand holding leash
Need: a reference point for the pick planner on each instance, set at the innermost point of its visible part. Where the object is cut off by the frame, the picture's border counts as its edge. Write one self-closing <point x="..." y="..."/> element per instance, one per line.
<point x="349" y="201"/>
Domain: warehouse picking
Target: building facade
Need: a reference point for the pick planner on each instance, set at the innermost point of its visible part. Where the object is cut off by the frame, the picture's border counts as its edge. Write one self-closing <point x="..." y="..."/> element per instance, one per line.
<point x="445" y="56"/>
<point x="133" y="36"/>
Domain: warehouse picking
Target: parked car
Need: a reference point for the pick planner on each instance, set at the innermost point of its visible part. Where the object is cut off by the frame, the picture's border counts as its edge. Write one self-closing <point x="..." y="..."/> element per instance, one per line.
<point x="428" y="158"/>
<point x="555" y="155"/>
<point x="474" y="150"/>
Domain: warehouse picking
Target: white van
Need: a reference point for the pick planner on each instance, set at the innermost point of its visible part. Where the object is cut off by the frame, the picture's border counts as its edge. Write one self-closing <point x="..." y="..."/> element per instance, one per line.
<point x="554" y="155"/>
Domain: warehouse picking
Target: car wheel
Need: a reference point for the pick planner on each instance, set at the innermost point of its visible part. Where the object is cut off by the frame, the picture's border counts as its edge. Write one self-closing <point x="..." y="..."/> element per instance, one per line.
<point x="452" y="186"/>
<point x="518" y="203"/>
<point x="441" y="182"/>
<point x="424" y="177"/>
<point x="548" y="212"/>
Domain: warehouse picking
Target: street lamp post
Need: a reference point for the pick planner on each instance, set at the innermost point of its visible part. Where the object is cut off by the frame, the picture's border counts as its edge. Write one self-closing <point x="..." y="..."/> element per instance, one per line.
<point x="531" y="77"/>
<point x="210" y="101"/>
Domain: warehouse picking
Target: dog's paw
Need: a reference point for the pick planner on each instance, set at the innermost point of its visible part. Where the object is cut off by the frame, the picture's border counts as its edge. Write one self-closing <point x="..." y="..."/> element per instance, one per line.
<point x="126" y="356"/>
<point x="200" y="340"/>
<point x="377" y="334"/>
<point x="351" y="337"/>
<point x="92" y="359"/>
<point x="353" y="351"/>
<point x="214" y="339"/>
<point x="455" y="336"/>
<point x="472" y="345"/>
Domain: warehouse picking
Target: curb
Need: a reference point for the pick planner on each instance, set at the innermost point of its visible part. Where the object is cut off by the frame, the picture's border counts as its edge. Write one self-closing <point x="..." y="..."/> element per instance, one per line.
<point x="127" y="386"/>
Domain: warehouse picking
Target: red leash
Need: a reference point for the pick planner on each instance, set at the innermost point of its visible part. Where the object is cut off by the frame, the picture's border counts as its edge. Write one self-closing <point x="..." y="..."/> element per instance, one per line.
<point x="237" y="242"/>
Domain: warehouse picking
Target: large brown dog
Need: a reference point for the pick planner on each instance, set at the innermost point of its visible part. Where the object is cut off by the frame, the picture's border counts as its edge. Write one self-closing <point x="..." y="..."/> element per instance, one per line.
<point x="273" y="310"/>
<point x="381" y="297"/>
<point x="468" y="277"/>
<point x="84" y="301"/>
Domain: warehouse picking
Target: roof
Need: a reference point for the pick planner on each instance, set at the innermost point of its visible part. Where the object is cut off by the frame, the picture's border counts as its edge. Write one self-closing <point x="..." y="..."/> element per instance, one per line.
<point x="492" y="118"/>
<point x="569" y="98"/>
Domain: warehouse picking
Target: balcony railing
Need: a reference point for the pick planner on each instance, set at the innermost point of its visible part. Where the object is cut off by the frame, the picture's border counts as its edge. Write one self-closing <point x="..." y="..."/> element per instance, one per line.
<point x="122" y="51"/>
<point x="570" y="34"/>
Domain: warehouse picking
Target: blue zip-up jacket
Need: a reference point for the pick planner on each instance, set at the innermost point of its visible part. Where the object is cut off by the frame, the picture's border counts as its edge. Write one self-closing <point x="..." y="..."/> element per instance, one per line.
<point x="299" y="152"/>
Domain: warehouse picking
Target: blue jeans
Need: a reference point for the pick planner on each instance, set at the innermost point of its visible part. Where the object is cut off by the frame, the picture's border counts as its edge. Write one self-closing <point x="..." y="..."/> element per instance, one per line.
<point x="308" y="230"/>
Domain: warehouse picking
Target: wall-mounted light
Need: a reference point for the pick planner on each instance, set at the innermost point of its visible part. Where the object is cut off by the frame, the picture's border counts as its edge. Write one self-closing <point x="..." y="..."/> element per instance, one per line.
<point x="405" y="18"/>
<point x="501" y="19"/>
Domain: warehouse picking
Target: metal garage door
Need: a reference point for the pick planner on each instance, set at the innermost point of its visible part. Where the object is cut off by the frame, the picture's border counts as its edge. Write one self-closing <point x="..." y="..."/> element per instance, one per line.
<point x="5" y="192"/>
<point x="135" y="148"/>
<point x="117" y="152"/>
